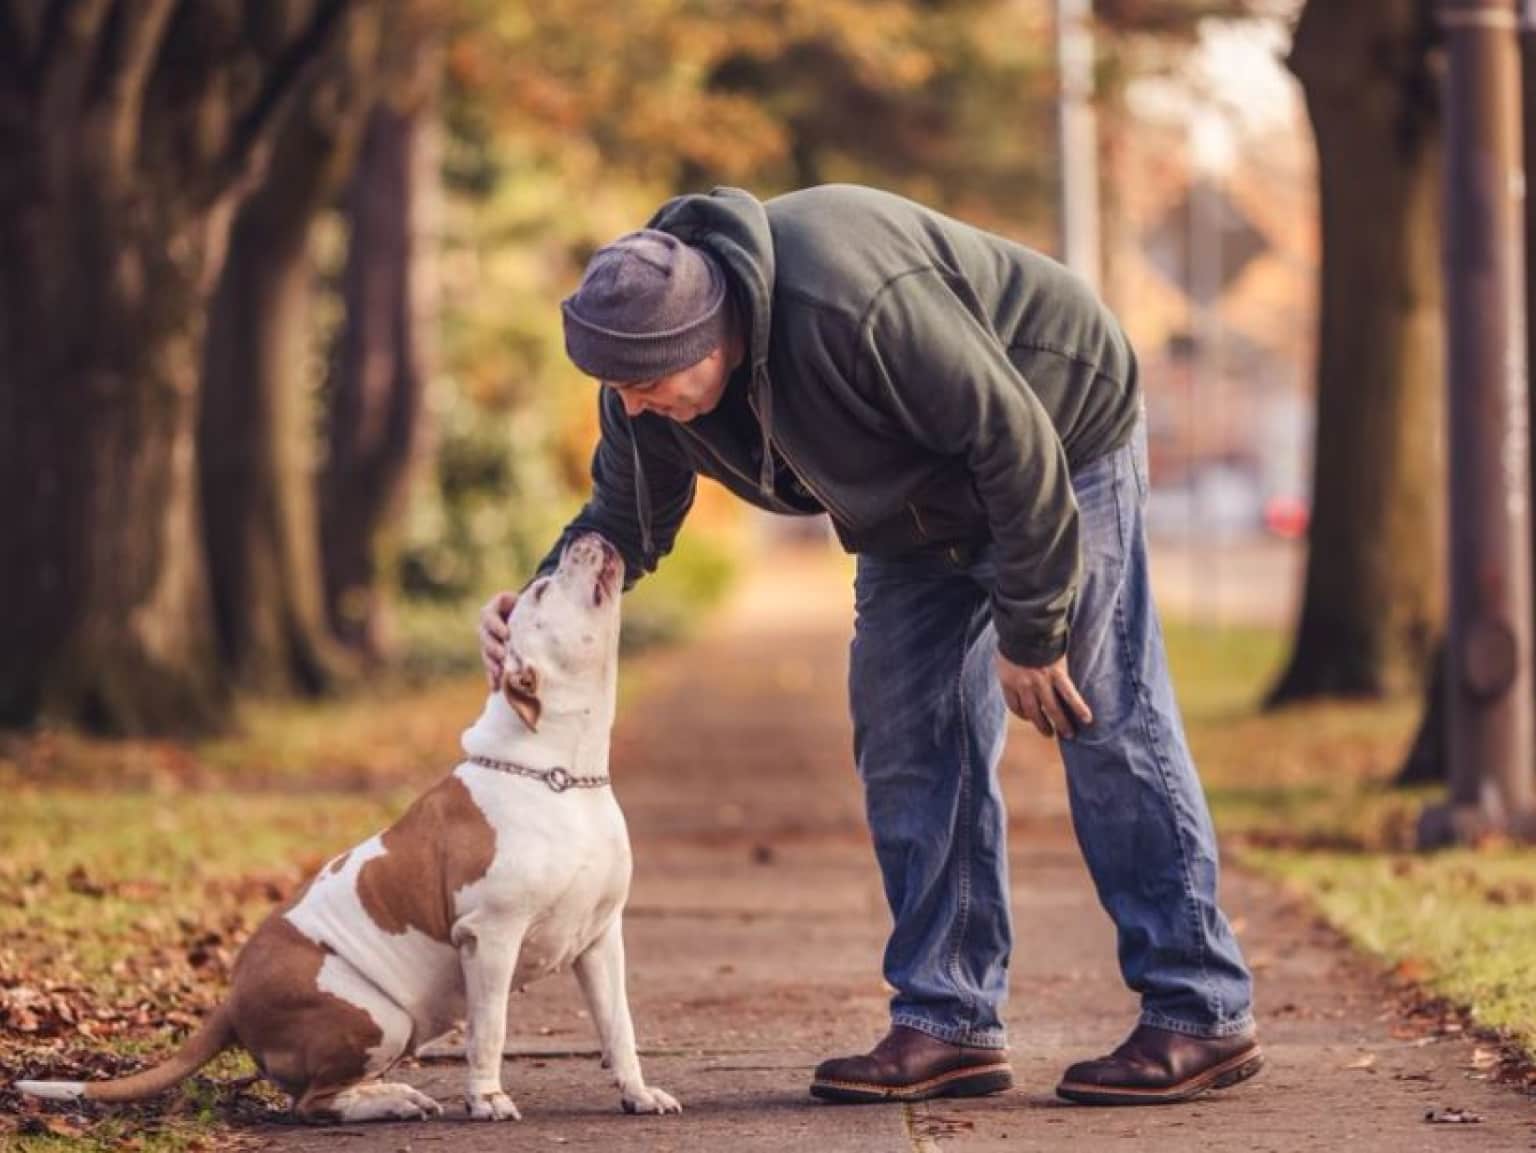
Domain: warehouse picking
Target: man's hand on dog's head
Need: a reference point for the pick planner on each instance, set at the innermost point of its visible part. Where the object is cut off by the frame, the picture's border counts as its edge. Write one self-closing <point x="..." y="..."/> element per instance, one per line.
<point x="493" y="634"/>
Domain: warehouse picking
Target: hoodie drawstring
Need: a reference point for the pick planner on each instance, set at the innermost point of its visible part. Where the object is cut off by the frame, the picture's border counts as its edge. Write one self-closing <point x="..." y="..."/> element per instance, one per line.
<point x="642" y="496"/>
<point x="762" y="404"/>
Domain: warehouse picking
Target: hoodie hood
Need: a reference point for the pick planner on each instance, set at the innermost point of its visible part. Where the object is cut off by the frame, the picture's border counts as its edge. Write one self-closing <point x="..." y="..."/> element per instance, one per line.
<point x="732" y="225"/>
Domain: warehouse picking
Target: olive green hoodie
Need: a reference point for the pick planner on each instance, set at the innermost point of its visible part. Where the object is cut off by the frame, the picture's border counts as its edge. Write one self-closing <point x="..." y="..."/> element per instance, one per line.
<point x="928" y="384"/>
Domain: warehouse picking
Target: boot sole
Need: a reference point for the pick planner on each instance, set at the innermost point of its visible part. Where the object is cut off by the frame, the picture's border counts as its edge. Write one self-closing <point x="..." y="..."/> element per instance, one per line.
<point x="975" y="1081"/>
<point x="1230" y="1072"/>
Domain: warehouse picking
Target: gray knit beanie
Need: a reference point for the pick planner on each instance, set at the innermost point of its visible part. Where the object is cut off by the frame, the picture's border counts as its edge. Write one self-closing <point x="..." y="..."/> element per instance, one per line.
<point x="648" y="305"/>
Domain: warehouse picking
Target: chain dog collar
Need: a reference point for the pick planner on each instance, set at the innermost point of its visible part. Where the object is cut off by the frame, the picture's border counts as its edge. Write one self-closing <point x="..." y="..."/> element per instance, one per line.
<point x="557" y="779"/>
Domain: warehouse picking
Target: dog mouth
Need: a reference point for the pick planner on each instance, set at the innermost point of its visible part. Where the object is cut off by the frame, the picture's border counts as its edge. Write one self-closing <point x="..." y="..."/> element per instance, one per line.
<point x="608" y="579"/>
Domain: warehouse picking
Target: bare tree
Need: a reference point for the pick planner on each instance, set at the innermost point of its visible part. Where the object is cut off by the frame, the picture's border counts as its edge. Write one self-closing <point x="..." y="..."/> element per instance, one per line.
<point x="375" y="411"/>
<point x="1374" y="586"/>
<point x="1428" y="759"/>
<point x="127" y="129"/>
<point x="256" y="428"/>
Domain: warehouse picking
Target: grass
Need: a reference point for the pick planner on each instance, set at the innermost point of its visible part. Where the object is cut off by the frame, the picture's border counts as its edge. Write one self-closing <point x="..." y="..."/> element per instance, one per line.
<point x="1303" y="795"/>
<point x="131" y="871"/>
<point x="120" y="916"/>
<point x="1462" y="923"/>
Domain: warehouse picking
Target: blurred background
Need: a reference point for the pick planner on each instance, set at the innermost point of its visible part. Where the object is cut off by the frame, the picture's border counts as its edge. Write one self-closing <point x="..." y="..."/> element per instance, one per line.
<point x="285" y="375"/>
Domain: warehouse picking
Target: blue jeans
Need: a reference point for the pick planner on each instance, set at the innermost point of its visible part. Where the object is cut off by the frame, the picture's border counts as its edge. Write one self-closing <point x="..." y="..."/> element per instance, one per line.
<point x="928" y="735"/>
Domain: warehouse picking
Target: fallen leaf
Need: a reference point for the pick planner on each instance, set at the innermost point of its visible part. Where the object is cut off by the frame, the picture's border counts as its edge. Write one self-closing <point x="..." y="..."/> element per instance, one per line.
<point x="1412" y="969"/>
<point x="79" y="881"/>
<point x="1364" y="1061"/>
<point x="1516" y="892"/>
<point x="1483" y="1059"/>
<point x="1452" y="1117"/>
<point x="58" y="1124"/>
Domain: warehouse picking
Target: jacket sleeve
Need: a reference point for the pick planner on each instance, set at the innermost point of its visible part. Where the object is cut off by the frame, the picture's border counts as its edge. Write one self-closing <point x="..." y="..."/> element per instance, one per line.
<point x="949" y="383"/>
<point x="630" y="453"/>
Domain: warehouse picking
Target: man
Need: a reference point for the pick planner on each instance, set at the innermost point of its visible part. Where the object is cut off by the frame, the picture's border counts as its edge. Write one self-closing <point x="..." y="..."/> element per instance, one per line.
<point x="968" y="414"/>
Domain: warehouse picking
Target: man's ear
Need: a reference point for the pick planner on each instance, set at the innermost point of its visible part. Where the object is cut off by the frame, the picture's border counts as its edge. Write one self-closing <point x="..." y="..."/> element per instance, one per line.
<point x="520" y="685"/>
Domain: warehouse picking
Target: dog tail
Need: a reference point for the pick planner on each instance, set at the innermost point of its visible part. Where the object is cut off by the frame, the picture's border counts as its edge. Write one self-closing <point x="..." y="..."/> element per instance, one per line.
<point x="212" y="1037"/>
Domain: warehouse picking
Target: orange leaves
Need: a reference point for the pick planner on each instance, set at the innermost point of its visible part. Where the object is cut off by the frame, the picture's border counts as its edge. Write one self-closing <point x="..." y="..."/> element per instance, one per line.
<point x="37" y="1012"/>
<point x="646" y="85"/>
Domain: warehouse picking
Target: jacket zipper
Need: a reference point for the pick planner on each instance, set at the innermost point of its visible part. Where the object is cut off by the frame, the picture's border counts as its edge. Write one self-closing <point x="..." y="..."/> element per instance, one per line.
<point x="952" y="552"/>
<point x="795" y="472"/>
<point x="917" y="520"/>
<point x="750" y="482"/>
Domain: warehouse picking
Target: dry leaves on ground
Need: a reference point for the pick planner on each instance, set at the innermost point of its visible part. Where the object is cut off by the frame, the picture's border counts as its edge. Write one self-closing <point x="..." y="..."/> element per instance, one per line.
<point x="1452" y="1116"/>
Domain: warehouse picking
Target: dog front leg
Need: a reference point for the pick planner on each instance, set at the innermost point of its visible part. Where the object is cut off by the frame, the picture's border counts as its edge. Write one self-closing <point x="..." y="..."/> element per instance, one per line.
<point x="601" y="972"/>
<point x="488" y="954"/>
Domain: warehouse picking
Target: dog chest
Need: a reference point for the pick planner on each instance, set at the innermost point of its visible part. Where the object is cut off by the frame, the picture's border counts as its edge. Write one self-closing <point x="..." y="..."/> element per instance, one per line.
<point x="561" y="872"/>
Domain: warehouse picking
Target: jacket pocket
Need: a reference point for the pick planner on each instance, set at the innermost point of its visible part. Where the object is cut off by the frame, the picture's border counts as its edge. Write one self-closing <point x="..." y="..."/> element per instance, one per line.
<point x="947" y="508"/>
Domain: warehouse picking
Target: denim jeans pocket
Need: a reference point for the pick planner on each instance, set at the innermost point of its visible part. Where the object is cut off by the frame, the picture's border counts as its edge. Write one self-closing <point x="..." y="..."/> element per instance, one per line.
<point x="1096" y="491"/>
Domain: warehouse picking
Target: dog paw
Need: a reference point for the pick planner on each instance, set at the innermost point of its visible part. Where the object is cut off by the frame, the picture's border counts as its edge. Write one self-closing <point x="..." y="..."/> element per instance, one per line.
<point x="383" y="1101"/>
<point x="427" y="1106"/>
<point x="492" y="1107"/>
<point x="650" y="1099"/>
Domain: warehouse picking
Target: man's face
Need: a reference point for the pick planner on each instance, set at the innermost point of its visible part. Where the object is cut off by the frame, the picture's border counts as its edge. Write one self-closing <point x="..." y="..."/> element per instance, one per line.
<point x="680" y="396"/>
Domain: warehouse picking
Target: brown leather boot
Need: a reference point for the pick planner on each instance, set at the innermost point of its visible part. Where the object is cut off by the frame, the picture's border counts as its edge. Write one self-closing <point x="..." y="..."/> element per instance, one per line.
<point x="1157" y="1067"/>
<point x="908" y="1065"/>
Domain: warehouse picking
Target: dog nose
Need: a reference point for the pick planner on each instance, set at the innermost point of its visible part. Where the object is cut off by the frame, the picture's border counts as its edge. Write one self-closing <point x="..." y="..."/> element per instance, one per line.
<point x="590" y="551"/>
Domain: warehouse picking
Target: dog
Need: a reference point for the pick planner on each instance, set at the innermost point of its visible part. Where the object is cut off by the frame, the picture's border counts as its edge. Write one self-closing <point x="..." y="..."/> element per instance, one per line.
<point x="513" y="867"/>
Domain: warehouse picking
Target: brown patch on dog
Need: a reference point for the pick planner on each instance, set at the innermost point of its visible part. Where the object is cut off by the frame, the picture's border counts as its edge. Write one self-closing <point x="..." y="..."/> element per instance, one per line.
<point x="310" y="1042"/>
<point x="441" y="843"/>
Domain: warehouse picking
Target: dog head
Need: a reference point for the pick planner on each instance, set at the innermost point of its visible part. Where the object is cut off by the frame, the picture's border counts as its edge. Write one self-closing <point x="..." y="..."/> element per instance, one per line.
<point x="562" y="647"/>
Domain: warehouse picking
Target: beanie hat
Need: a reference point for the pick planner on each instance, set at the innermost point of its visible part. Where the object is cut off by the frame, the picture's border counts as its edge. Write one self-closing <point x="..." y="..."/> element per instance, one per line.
<point x="648" y="305"/>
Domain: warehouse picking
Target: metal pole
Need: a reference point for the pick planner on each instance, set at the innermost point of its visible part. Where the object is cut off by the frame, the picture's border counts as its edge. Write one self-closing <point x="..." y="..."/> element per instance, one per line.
<point x="1079" y="140"/>
<point x="1491" y="716"/>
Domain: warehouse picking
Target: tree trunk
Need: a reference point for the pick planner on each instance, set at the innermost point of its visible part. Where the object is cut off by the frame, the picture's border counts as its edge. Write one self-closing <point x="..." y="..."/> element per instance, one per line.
<point x="1528" y="149"/>
<point x="104" y="585"/>
<point x="1429" y="757"/>
<point x="124" y="147"/>
<point x="1429" y="760"/>
<point x="257" y="422"/>
<point x="375" y="412"/>
<point x="1374" y="589"/>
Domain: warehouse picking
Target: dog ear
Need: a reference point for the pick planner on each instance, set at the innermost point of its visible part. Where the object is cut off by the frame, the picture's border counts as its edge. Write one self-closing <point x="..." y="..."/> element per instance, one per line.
<point x="520" y="685"/>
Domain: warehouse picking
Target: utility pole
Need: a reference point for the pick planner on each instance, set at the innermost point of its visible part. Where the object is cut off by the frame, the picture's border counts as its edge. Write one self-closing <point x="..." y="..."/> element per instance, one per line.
<point x="1077" y="130"/>
<point x="1491" y="709"/>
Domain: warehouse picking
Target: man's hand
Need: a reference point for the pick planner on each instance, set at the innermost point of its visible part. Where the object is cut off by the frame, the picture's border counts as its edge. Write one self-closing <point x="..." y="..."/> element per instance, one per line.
<point x="1045" y="697"/>
<point x="493" y="634"/>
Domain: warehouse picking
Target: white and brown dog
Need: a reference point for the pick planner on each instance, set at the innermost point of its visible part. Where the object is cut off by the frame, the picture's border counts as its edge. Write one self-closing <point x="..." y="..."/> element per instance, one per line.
<point x="515" y="866"/>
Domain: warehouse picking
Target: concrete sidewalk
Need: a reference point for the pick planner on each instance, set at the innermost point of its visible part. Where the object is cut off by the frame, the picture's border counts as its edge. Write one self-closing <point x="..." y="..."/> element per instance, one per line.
<point x="756" y="925"/>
